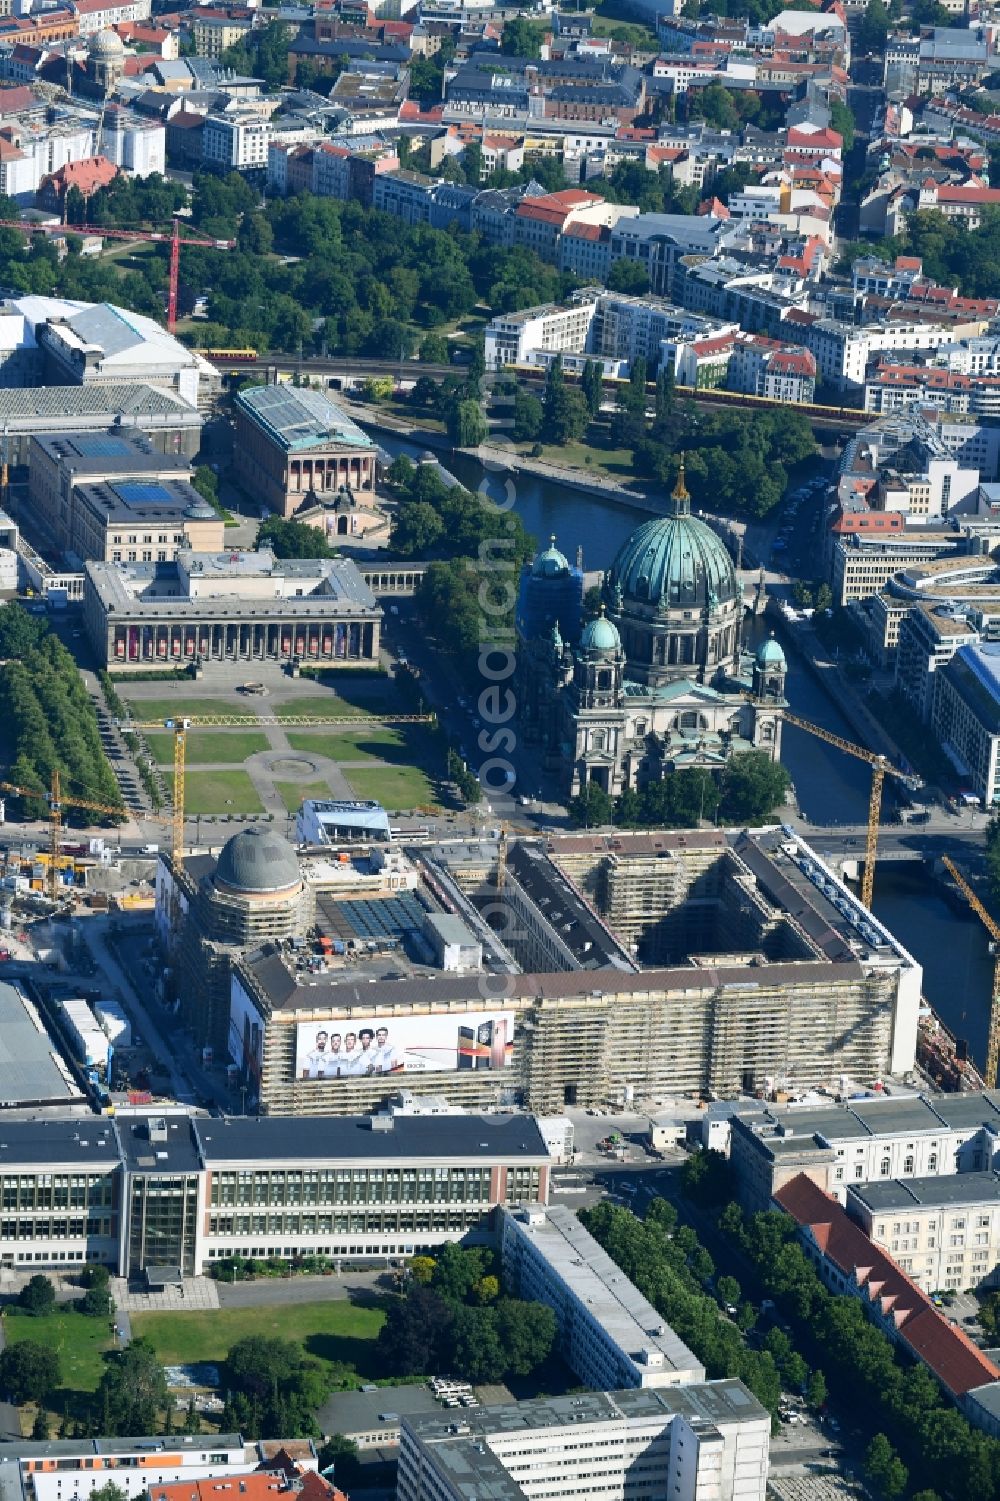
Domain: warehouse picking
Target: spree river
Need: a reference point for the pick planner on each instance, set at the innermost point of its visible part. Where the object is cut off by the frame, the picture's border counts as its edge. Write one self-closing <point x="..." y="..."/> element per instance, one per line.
<point x="831" y="788"/>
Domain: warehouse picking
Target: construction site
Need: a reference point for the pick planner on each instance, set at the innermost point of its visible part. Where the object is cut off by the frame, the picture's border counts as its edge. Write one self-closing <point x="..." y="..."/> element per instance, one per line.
<point x="594" y="969"/>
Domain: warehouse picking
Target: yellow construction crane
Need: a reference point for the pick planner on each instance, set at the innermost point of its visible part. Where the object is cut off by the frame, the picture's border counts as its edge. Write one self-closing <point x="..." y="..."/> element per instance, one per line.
<point x="880" y="767"/>
<point x="57" y="800"/>
<point x="180" y="727"/>
<point x="993" y="929"/>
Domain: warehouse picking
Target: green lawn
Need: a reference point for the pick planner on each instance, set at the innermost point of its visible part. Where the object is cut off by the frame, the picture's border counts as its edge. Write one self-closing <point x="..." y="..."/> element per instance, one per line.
<point x="394" y="787"/>
<point x="219" y="792"/>
<point x="79" y="1341"/>
<point x="317" y="703"/>
<point x="334" y="1330"/>
<point x="170" y="708"/>
<point x="209" y="747"/>
<point x="293" y="793"/>
<point x="597" y="459"/>
<point x="405" y="746"/>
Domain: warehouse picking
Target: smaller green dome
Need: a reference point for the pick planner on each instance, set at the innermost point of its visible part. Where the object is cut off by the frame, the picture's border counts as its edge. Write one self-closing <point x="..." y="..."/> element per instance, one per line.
<point x="769" y="653"/>
<point x="600" y="635"/>
<point x="551" y="563"/>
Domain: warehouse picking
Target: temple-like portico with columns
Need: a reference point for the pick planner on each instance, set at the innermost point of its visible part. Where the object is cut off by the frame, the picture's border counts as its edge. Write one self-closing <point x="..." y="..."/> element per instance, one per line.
<point x="294" y="447"/>
<point x="231" y="607"/>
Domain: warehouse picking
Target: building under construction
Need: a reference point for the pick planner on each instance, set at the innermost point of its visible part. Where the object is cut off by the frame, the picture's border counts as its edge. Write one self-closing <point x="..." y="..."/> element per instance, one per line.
<point x="614" y="967"/>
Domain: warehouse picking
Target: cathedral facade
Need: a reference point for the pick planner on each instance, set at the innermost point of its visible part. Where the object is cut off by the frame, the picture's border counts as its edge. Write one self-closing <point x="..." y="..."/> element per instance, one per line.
<point x="658" y="681"/>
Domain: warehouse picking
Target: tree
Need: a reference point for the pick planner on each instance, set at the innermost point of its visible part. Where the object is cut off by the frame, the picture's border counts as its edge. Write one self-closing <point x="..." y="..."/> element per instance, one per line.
<point x="566" y="413"/>
<point x="753" y="786"/>
<point x="29" y="1371"/>
<point x="37" y="1297"/>
<point x="95" y="1275"/>
<point x="95" y="1303"/>
<point x="842" y="121"/>
<point x="522" y="38"/>
<point x="40" y="1427"/>
<point x="591" y="808"/>
<point x="873" y="28"/>
<point x="816" y="1390"/>
<point x="342" y="1454"/>
<point x="467" y="427"/>
<point x="592" y="386"/>
<point x="707" y="1178"/>
<point x="728" y="1289"/>
<point x="133" y="1391"/>
<point x="630" y="277"/>
<point x="529" y="416"/>
<point x="433" y="349"/>
<point x="293" y="539"/>
<point x="274" y="1387"/>
<point x="421" y="1269"/>
<point x="19" y="631"/>
<point x="885" y="1469"/>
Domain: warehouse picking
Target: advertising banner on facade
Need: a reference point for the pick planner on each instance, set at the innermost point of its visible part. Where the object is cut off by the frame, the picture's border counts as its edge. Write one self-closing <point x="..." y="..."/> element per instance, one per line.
<point x="356" y="1048"/>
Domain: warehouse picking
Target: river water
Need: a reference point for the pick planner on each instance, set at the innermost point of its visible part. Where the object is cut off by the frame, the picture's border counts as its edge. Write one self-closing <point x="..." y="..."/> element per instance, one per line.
<point x="831" y="787"/>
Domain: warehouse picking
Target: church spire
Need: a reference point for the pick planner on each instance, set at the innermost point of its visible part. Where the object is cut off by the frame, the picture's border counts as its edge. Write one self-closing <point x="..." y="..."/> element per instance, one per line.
<point x="681" y="498"/>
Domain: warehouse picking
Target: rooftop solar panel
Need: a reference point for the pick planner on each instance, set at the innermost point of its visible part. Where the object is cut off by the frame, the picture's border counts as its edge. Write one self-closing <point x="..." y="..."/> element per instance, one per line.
<point x="136" y="494"/>
<point x="99" y="446"/>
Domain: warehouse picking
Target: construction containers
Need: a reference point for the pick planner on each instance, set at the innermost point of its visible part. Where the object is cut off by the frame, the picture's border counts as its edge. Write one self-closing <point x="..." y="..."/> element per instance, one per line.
<point x="114" y="1023"/>
<point x="90" y="1042"/>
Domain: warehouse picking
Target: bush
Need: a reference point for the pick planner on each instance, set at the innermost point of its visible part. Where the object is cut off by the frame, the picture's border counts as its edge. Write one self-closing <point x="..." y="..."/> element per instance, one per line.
<point x="37" y="1297"/>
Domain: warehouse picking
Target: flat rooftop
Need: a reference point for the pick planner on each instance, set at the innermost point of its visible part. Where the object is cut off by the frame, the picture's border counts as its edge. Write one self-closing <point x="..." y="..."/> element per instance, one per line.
<point x="135" y="502"/>
<point x="883" y="1196"/>
<point x="32" y="1071"/>
<point x="346" y="1138"/>
<point x="597" y="1282"/>
<point x="107" y="453"/>
<point x="88" y="1141"/>
<point x="459" y="1446"/>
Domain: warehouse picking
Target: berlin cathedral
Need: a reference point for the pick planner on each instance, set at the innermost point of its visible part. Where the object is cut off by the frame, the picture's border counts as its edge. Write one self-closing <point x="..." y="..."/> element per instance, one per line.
<point x="659" y="680"/>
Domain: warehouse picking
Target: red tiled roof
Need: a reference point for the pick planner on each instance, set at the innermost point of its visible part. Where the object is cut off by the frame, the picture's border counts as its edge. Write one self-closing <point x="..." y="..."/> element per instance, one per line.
<point x="942" y="1346"/>
<point x="9" y="152"/>
<point x="580" y="231"/>
<point x="825" y="140"/>
<point x="713" y="346"/>
<point x="793" y="362"/>
<point x="968" y="195"/>
<point x="713" y="206"/>
<point x="89" y="174"/>
<point x="410" y="110"/>
<point x="13" y="100"/>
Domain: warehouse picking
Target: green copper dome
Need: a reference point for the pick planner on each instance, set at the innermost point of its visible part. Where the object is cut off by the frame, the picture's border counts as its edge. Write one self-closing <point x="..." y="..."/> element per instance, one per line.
<point x="550" y="563"/>
<point x="600" y="635"/>
<point x="673" y="562"/>
<point x="769" y="653"/>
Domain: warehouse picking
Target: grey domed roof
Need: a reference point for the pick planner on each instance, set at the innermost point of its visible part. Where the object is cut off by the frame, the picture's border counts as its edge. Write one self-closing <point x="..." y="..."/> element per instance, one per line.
<point x="600" y="635"/>
<point x="673" y="562"/>
<point x="551" y="563"/>
<point x="258" y="860"/>
<point x="106" y="44"/>
<point x="199" y="510"/>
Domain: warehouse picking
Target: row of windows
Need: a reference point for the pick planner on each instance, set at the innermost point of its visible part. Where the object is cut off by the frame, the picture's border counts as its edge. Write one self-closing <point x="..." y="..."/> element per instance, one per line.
<point x="55" y="1229"/>
<point x="55" y="1191"/>
<point x="341" y="1224"/>
<point x="346" y="1186"/>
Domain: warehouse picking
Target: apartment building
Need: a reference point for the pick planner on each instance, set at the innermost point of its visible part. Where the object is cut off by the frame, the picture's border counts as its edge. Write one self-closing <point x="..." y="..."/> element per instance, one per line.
<point x="610" y="1336"/>
<point x="965" y="716"/>
<point x="943" y="1232"/>
<point x="697" y="1443"/>
<point x="850" y="1265"/>
<point x="929" y="635"/>
<point x="214" y="29"/>
<point x="236" y="142"/>
<point x="862" y="565"/>
<point x="863" y="1141"/>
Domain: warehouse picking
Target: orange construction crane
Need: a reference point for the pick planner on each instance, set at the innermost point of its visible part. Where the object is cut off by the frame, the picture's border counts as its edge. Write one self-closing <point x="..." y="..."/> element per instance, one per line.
<point x="161" y="237"/>
<point x="880" y="769"/>
<point x="57" y="801"/>
<point x="180" y="728"/>
<point x="993" y="929"/>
